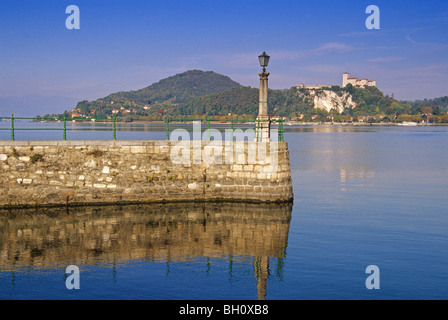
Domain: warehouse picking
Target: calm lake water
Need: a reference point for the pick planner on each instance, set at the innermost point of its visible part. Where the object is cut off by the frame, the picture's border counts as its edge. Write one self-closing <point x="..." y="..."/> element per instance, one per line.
<point x="362" y="196"/>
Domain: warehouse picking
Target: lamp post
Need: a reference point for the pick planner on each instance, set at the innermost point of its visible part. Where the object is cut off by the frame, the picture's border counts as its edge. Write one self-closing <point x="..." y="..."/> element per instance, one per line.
<point x="263" y="123"/>
<point x="264" y="60"/>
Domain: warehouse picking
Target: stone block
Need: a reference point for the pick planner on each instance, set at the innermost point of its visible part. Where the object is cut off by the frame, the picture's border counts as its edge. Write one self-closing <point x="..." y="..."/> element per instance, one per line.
<point x="237" y="167"/>
<point x="138" y="149"/>
<point x="79" y="184"/>
<point x="51" y="149"/>
<point x="248" y="167"/>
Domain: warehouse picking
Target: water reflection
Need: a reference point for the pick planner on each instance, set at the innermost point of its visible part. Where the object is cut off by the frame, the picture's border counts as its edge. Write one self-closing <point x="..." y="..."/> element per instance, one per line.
<point x="355" y="177"/>
<point x="328" y="128"/>
<point x="47" y="238"/>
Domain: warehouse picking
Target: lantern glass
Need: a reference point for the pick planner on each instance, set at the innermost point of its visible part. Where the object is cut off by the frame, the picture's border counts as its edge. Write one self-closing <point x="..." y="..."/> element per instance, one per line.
<point x="264" y="60"/>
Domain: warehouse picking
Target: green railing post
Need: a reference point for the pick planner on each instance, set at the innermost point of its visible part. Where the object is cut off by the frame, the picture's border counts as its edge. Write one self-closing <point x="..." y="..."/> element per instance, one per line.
<point x="280" y="130"/>
<point x="269" y="126"/>
<point x="208" y="128"/>
<point x="115" y="128"/>
<point x="167" y="129"/>
<point x="12" y="126"/>
<point x="65" y="128"/>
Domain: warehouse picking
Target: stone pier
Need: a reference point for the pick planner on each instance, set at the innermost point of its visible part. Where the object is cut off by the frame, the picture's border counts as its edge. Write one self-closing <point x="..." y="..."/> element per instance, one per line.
<point x="73" y="173"/>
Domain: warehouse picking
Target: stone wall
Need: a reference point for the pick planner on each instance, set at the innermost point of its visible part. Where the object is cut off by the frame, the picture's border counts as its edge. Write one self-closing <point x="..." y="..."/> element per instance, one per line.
<point x="48" y="173"/>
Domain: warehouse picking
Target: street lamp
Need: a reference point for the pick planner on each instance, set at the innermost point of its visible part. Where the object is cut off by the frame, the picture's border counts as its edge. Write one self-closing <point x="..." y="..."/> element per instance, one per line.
<point x="263" y="123"/>
<point x="264" y="60"/>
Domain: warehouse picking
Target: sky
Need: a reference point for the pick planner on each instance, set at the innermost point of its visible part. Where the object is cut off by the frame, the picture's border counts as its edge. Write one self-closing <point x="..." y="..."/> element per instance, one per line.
<point x="127" y="45"/>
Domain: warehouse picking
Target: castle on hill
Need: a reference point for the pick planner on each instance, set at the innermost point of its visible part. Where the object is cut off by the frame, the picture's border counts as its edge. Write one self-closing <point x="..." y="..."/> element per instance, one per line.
<point x="346" y="79"/>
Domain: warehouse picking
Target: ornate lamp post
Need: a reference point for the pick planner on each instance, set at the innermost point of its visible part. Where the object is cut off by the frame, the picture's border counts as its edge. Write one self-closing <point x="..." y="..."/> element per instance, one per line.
<point x="263" y="124"/>
<point x="264" y="60"/>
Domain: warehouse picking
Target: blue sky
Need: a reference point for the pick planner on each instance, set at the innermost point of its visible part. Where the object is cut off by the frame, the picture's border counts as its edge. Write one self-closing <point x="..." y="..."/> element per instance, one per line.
<point x="128" y="45"/>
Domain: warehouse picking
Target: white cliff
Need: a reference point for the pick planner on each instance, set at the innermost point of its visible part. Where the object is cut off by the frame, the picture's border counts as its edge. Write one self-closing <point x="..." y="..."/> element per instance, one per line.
<point x="329" y="100"/>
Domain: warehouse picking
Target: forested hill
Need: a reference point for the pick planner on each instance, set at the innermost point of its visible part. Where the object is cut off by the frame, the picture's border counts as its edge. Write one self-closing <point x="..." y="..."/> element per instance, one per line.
<point x="307" y="104"/>
<point x="295" y="102"/>
<point x="167" y="94"/>
<point x="438" y="105"/>
<point x="206" y="93"/>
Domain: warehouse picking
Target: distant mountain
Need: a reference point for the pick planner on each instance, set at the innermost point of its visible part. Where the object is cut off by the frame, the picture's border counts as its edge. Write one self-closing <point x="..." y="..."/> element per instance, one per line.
<point x="237" y="100"/>
<point x="167" y="94"/>
<point x="206" y="93"/>
<point x="297" y="102"/>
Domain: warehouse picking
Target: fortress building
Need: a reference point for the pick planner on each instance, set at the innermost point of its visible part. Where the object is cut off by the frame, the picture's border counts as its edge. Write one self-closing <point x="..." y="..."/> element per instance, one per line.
<point x="346" y="79"/>
<point x="356" y="82"/>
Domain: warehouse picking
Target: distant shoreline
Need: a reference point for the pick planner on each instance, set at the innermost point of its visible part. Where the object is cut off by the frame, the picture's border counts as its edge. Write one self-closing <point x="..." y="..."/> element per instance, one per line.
<point x="285" y="123"/>
<point x="365" y="124"/>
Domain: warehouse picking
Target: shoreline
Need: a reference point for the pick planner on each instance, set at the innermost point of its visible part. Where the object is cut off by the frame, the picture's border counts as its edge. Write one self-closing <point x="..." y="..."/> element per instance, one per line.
<point x="364" y="124"/>
<point x="285" y="123"/>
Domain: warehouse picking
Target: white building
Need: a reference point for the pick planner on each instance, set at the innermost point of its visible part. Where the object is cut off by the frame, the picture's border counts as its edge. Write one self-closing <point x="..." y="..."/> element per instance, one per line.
<point x="346" y="79"/>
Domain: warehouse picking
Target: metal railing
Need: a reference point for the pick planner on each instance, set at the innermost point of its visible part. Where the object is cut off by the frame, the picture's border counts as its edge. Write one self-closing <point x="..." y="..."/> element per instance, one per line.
<point x="256" y="123"/>
<point x="64" y="129"/>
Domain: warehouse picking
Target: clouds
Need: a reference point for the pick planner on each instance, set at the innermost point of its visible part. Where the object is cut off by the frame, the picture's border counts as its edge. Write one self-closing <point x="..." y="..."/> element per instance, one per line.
<point x="420" y="36"/>
<point x="321" y="50"/>
<point x="249" y="59"/>
<point x="332" y="47"/>
<point x="286" y="65"/>
<point x="127" y="47"/>
<point x="386" y="59"/>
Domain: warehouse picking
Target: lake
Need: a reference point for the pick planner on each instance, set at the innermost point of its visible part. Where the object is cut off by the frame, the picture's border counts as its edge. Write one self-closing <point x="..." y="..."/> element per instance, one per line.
<point x="363" y="195"/>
